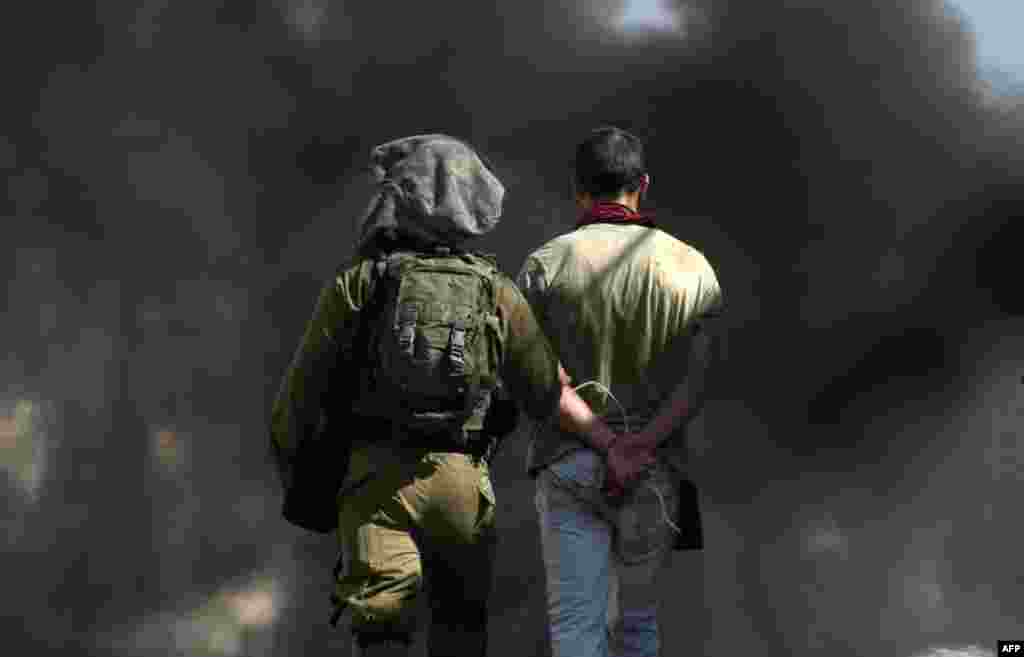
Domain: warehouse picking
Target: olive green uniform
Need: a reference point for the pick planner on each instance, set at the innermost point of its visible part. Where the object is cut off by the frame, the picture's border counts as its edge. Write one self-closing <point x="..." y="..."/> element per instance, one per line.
<point x="406" y="512"/>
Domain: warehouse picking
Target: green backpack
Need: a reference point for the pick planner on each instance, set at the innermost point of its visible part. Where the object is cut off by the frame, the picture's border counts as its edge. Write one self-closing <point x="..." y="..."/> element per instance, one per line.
<point x="435" y="343"/>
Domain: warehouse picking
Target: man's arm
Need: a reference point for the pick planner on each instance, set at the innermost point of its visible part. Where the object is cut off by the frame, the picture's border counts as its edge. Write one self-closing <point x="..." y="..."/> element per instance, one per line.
<point x="632" y="453"/>
<point x="686" y="401"/>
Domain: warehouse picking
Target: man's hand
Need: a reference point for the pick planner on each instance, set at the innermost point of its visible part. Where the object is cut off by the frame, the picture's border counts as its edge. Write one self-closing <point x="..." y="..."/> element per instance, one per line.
<point x="626" y="459"/>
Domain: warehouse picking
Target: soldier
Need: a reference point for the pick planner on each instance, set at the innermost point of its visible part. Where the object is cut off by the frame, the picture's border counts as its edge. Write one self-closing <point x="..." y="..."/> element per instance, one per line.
<point x="630" y="310"/>
<point x="404" y="354"/>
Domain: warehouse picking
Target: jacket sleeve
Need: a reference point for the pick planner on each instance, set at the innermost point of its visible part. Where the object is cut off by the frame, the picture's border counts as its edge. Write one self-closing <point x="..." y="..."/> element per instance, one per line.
<point x="530" y="368"/>
<point x="532" y="282"/>
<point x="325" y="351"/>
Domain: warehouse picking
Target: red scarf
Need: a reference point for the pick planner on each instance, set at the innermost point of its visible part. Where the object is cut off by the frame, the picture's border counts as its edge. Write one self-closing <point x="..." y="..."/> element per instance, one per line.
<point x="606" y="212"/>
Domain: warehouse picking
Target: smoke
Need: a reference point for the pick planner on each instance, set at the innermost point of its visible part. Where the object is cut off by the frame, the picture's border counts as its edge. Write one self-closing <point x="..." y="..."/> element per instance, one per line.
<point x="25" y="446"/>
<point x="181" y="178"/>
<point x="969" y="651"/>
<point x="230" y="622"/>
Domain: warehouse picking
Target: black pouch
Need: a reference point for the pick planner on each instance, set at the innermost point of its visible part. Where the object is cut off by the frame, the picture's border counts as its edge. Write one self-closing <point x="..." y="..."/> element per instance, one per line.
<point x="691" y="536"/>
<point x="317" y="473"/>
<point x="502" y="417"/>
<point x="501" y="420"/>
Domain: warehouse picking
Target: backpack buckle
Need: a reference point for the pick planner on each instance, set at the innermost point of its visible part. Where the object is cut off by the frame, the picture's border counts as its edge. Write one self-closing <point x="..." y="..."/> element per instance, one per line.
<point x="457" y="348"/>
<point x="407" y="317"/>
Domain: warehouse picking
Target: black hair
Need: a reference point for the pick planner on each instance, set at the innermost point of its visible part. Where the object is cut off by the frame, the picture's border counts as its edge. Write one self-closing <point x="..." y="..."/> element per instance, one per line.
<point x="608" y="162"/>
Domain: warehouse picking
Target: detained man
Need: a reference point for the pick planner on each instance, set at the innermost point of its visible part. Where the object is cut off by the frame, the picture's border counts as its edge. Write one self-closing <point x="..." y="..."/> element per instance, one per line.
<point x="630" y="312"/>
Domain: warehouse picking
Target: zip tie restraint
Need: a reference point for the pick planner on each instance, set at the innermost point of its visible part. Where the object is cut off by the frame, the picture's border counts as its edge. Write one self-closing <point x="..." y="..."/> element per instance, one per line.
<point x="664" y="508"/>
<point x="625" y="421"/>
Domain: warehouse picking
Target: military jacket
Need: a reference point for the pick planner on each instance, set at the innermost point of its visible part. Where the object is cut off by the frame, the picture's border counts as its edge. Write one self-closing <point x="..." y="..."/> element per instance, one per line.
<point x="327" y="351"/>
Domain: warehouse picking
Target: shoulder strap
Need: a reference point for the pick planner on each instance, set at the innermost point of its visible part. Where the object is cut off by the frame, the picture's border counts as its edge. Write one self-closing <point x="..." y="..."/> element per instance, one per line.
<point x="373" y="304"/>
<point x="490" y="258"/>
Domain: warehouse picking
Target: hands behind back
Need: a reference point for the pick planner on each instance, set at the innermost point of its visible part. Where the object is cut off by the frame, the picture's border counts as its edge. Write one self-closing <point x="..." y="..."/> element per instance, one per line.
<point x="626" y="458"/>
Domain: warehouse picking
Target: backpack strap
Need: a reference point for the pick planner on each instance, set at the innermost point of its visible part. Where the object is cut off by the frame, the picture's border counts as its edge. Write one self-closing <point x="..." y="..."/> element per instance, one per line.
<point x="372" y="307"/>
<point x="491" y="258"/>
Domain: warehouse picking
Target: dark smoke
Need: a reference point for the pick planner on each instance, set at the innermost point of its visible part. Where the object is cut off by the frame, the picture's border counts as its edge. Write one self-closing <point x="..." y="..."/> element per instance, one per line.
<point x="181" y="177"/>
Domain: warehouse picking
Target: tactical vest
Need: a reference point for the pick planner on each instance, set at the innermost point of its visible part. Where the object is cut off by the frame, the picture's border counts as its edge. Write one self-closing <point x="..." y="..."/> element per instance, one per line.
<point x="434" y="343"/>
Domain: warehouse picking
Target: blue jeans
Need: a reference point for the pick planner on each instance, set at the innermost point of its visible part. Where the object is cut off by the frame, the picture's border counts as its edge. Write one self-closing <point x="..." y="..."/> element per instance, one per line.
<point x="602" y="561"/>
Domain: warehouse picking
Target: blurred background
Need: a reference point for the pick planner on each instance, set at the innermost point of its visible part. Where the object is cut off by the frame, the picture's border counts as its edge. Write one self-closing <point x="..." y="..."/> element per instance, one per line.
<point x="182" y="177"/>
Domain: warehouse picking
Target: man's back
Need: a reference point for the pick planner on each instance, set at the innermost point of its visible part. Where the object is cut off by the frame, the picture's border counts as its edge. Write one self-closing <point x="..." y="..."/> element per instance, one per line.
<point x="620" y="304"/>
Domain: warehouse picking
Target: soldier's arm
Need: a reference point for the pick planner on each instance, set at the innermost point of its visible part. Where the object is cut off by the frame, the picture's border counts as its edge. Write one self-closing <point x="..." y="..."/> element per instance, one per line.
<point x="536" y="378"/>
<point x="575" y="415"/>
<point x="326" y="340"/>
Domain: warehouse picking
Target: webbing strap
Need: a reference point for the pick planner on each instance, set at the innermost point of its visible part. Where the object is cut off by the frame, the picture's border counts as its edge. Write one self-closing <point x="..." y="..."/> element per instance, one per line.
<point x="407" y="329"/>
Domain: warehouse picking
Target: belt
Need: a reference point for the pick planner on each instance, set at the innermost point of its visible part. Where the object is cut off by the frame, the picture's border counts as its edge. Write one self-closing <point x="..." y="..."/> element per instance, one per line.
<point x="471" y="442"/>
<point x="464" y="442"/>
<point x="474" y="444"/>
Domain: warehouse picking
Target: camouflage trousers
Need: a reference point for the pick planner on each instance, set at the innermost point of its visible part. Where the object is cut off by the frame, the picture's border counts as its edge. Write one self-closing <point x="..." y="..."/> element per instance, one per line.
<point x="420" y="523"/>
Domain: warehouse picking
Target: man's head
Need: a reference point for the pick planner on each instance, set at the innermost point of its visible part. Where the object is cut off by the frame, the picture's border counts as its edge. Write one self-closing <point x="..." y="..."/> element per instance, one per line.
<point x="609" y="166"/>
